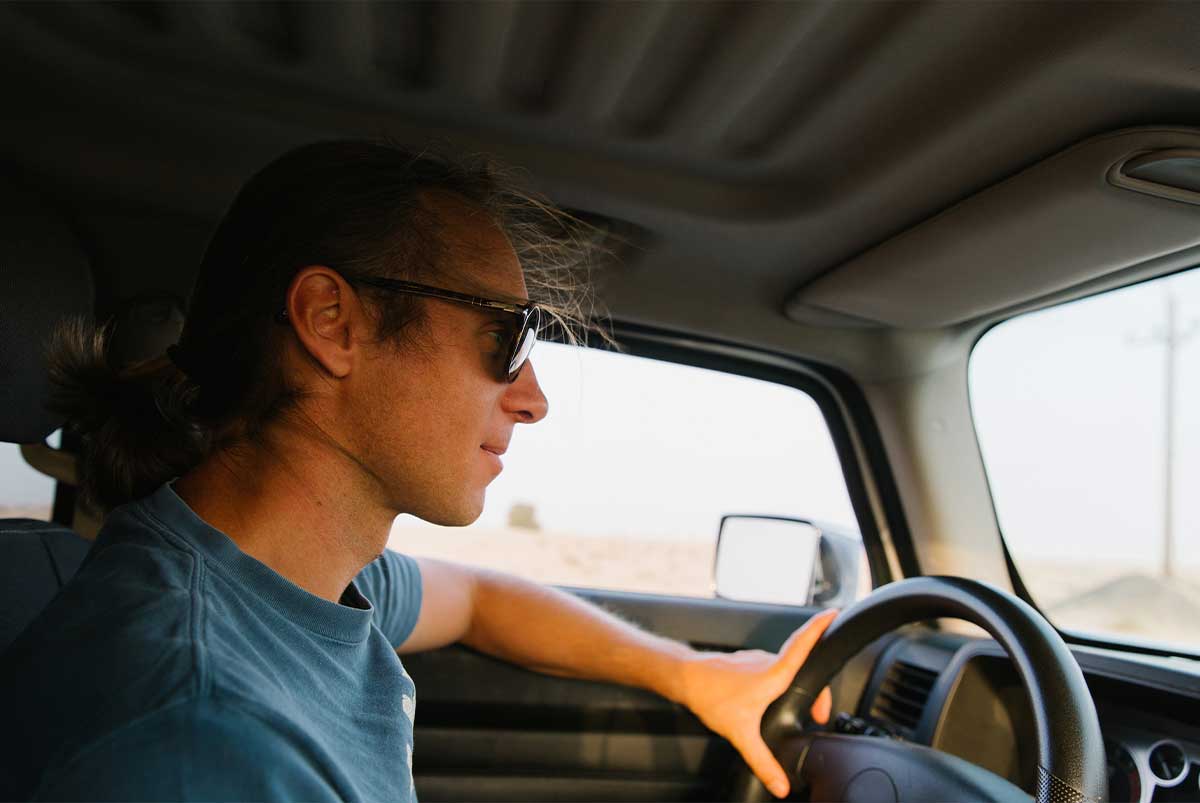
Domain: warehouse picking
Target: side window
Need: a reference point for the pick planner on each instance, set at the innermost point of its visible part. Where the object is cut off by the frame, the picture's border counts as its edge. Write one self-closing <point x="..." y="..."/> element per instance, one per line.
<point x="1087" y="421"/>
<point x="624" y="485"/>
<point x="24" y="492"/>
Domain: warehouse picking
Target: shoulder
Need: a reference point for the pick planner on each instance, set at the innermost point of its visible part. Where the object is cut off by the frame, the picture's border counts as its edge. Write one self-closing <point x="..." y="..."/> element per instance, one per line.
<point x="134" y="600"/>
<point x="390" y="571"/>
<point x="136" y="561"/>
<point x="202" y="748"/>
<point x="122" y="638"/>
<point x="392" y="584"/>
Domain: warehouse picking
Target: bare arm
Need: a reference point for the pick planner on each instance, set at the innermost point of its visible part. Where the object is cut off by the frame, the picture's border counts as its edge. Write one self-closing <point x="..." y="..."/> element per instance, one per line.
<point x="541" y="628"/>
<point x="447" y="605"/>
<point x="554" y="632"/>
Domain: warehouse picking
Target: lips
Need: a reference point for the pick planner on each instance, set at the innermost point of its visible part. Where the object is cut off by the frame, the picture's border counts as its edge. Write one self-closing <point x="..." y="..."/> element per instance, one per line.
<point x="493" y="456"/>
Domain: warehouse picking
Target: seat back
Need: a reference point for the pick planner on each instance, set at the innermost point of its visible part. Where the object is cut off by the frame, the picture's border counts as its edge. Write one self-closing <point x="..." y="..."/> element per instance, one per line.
<point x="44" y="277"/>
<point x="36" y="559"/>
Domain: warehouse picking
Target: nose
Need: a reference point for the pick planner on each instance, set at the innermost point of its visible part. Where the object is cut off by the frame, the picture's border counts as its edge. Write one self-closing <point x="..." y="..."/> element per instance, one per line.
<point x="524" y="398"/>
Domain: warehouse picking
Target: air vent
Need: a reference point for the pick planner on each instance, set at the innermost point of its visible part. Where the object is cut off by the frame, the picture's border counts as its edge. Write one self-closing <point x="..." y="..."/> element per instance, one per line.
<point x="902" y="695"/>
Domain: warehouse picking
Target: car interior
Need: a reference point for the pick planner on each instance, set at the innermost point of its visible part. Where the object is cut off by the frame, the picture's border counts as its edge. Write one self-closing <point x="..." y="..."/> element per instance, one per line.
<point x="838" y="197"/>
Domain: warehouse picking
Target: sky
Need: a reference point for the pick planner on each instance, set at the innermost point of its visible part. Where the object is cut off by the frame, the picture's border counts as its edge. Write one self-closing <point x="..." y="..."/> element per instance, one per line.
<point x="20" y="485"/>
<point x="1069" y="409"/>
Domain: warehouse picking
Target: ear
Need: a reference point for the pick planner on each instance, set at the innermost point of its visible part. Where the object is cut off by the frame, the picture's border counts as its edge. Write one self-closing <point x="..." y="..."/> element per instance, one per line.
<point x="325" y="314"/>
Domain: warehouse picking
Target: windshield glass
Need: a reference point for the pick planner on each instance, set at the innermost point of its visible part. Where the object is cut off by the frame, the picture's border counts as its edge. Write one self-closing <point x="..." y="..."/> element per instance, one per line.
<point x="1088" y="416"/>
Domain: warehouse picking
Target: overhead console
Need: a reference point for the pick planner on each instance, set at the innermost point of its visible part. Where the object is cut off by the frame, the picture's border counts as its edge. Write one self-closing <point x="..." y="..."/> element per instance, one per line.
<point x="1105" y="205"/>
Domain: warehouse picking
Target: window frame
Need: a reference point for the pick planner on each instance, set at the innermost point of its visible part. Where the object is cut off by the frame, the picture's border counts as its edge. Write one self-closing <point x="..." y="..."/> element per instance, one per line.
<point x="1072" y="637"/>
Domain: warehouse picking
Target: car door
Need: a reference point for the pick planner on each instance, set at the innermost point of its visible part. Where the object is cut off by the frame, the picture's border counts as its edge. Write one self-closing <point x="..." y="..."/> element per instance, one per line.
<point x="655" y="451"/>
<point x="487" y="730"/>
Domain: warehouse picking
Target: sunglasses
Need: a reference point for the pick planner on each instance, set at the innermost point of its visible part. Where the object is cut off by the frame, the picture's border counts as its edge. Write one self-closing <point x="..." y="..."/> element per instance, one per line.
<point x="521" y="324"/>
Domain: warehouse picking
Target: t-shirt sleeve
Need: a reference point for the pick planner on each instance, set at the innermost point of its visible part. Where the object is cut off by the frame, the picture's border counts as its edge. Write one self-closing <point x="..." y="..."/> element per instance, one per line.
<point x="198" y="750"/>
<point x="392" y="584"/>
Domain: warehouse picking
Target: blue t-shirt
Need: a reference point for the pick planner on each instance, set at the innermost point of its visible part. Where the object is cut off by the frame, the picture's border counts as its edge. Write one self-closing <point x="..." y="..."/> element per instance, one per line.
<point x="175" y="666"/>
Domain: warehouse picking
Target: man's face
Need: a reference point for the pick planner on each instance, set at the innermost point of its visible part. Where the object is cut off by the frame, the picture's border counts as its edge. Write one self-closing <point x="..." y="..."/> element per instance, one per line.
<point x="435" y="415"/>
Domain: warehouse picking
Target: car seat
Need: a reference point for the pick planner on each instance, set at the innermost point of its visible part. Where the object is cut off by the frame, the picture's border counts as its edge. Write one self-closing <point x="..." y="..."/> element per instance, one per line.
<point x="44" y="276"/>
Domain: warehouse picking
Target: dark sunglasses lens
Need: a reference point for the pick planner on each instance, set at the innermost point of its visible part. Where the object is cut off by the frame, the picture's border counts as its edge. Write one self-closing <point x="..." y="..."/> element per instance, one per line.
<point x="524" y="344"/>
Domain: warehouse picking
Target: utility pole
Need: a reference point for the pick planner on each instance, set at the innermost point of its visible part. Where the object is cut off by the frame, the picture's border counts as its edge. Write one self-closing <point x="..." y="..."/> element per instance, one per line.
<point x="1173" y="338"/>
<point x="1172" y="342"/>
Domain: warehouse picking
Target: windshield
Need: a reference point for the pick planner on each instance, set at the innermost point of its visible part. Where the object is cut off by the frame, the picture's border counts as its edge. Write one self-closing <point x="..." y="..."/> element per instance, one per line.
<point x="1087" y="419"/>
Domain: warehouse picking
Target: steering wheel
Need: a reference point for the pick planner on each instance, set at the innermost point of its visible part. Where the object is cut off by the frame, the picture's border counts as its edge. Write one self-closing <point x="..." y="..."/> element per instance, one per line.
<point x="1070" y="748"/>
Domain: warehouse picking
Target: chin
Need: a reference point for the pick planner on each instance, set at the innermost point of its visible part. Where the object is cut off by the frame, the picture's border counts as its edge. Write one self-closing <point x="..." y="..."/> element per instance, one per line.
<point x="466" y="513"/>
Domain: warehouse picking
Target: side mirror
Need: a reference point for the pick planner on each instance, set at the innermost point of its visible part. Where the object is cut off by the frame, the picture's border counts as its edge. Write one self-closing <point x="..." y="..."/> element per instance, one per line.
<point x="786" y="561"/>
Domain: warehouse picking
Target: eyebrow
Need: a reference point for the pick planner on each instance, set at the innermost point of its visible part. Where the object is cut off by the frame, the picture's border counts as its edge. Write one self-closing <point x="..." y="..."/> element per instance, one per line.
<point x="494" y="315"/>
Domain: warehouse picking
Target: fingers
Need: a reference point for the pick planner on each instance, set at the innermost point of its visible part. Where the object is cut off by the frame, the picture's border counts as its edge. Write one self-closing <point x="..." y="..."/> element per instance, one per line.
<point x="762" y="763"/>
<point x="823" y="707"/>
<point x="796" y="649"/>
<point x="792" y="654"/>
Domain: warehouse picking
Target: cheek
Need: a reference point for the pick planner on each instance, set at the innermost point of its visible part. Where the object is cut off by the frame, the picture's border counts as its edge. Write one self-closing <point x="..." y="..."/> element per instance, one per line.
<point x="459" y="406"/>
<point x="395" y="411"/>
<point x="439" y="402"/>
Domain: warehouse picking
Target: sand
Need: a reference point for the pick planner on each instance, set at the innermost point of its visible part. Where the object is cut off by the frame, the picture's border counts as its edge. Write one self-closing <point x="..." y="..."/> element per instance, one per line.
<point x="683" y="568"/>
<point x="1119" y="600"/>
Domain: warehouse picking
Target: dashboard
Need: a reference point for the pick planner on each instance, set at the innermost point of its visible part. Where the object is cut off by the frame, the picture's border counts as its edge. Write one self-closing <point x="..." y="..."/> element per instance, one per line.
<point x="963" y="695"/>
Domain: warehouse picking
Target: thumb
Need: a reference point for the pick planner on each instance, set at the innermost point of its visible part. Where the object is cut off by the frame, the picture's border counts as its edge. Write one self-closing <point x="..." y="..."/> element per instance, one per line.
<point x="762" y="763"/>
<point x="822" y="707"/>
<point x="795" y="650"/>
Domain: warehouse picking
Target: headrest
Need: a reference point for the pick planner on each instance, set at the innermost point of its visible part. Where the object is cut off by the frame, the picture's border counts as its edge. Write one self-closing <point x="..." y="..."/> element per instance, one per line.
<point x="44" y="276"/>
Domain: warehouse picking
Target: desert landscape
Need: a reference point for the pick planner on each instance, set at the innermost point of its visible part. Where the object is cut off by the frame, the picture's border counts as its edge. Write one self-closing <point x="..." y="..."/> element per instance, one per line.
<point x="27" y="512"/>
<point x="1108" y="598"/>
<point x="656" y="566"/>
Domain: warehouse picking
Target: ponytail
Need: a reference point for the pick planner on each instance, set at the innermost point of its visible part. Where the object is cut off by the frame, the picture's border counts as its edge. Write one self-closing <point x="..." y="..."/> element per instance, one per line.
<point x="134" y="422"/>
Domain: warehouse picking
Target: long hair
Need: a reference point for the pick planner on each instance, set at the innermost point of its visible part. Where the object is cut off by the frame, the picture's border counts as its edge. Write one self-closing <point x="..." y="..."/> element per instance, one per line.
<point x="352" y="205"/>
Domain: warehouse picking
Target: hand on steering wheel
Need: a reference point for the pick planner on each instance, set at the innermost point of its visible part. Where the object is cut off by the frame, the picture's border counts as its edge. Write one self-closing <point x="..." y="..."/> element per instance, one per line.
<point x="729" y="692"/>
<point x="1070" y="748"/>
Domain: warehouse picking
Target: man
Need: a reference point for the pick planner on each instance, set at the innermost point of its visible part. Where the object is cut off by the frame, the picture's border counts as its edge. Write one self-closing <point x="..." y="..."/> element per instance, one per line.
<point x="237" y="647"/>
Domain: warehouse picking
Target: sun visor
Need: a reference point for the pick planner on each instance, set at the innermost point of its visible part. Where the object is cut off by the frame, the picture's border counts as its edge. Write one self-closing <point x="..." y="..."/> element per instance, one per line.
<point x="1108" y="203"/>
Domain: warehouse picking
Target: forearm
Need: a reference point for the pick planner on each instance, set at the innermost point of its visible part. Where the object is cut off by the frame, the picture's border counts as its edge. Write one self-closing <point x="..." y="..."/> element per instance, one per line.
<point x="557" y="633"/>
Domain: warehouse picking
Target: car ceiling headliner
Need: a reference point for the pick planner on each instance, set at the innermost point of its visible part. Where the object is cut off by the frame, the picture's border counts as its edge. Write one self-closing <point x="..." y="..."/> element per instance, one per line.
<point x="759" y="145"/>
